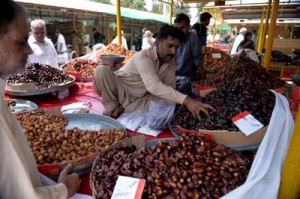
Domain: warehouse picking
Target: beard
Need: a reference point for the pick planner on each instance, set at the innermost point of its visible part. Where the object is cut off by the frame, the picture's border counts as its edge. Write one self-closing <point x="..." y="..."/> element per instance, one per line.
<point x="16" y="68"/>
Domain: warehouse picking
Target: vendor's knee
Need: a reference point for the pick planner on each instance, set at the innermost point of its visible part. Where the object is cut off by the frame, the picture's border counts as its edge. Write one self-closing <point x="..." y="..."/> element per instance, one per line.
<point x="101" y="72"/>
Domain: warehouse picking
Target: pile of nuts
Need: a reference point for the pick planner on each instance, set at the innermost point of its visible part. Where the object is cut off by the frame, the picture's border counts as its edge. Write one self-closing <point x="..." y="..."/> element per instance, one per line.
<point x="245" y="68"/>
<point x="188" y="167"/>
<point x="43" y="76"/>
<point x="242" y="95"/>
<point x="212" y="63"/>
<point x="84" y="66"/>
<point x="129" y="54"/>
<point x="51" y="143"/>
<point x="112" y="49"/>
<point x="115" y="49"/>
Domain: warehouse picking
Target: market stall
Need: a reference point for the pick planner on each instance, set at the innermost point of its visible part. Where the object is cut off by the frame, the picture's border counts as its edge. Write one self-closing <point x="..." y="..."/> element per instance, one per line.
<point x="229" y="153"/>
<point x="83" y="92"/>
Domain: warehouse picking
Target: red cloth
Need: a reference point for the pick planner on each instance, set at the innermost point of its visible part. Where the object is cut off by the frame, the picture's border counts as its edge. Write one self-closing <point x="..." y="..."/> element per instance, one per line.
<point x="81" y="92"/>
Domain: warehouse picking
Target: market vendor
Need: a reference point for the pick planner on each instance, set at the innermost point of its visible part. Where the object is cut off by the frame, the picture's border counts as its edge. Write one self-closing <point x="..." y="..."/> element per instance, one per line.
<point x="188" y="57"/>
<point x="19" y="176"/>
<point x="247" y="42"/>
<point x="238" y="40"/>
<point x="148" y="75"/>
<point x="42" y="47"/>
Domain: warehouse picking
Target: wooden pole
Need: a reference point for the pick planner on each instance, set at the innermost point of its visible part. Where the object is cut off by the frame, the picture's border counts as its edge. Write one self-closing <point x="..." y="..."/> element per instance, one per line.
<point x="171" y="12"/>
<point x="265" y="27"/>
<point x="119" y="25"/>
<point x="260" y="32"/>
<point x="271" y="34"/>
<point x="290" y="179"/>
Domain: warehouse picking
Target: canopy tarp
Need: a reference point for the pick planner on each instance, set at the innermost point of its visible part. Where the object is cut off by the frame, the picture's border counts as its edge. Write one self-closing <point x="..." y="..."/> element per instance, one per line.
<point x="98" y="7"/>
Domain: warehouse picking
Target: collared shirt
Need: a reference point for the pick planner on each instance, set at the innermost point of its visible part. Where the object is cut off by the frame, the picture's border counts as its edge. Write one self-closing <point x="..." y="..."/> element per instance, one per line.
<point x="202" y="35"/>
<point x="43" y="53"/>
<point x="61" y="41"/>
<point x="142" y="75"/>
<point x="19" y="175"/>
<point x="188" y="57"/>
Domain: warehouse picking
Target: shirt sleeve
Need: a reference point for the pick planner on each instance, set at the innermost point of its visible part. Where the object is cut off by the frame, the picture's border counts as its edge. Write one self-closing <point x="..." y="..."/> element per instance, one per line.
<point x="154" y="84"/>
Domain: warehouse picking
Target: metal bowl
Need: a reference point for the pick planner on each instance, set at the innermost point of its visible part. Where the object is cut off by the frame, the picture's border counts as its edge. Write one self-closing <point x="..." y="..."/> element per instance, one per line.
<point x="296" y="52"/>
<point x="111" y="60"/>
<point x="296" y="79"/>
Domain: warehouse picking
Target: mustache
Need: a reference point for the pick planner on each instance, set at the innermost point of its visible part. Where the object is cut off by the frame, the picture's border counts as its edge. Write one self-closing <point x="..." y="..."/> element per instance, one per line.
<point x="170" y="55"/>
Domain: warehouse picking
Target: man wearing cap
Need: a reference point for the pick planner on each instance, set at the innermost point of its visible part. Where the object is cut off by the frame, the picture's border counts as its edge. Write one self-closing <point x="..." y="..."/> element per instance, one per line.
<point x="238" y="40"/>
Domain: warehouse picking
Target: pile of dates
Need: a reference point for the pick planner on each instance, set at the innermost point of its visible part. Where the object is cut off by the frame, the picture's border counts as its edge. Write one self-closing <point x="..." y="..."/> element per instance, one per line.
<point x="188" y="167"/>
<point x="42" y="76"/>
<point x="84" y="66"/>
<point x="213" y="64"/>
<point x="245" y="68"/>
<point x="242" y="95"/>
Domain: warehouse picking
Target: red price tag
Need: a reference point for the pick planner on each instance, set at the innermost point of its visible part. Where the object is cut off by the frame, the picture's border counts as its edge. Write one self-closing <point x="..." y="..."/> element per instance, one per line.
<point x="128" y="188"/>
<point x="247" y="123"/>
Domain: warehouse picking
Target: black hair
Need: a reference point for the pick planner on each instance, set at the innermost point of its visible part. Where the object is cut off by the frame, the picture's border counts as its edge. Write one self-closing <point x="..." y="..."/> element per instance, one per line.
<point x="8" y="13"/>
<point x="204" y="16"/>
<point x="94" y="29"/>
<point x="248" y="33"/>
<point x="182" y="17"/>
<point x="74" y="32"/>
<point x="167" y="30"/>
<point x="233" y="32"/>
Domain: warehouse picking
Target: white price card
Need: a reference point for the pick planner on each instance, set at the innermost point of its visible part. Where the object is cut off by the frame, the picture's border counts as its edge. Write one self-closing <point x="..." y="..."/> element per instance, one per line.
<point x="247" y="123"/>
<point x="128" y="188"/>
<point x="216" y="55"/>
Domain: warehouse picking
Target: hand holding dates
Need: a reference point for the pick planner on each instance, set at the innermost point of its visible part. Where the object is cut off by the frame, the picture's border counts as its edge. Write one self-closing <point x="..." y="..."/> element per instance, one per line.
<point x="71" y="181"/>
<point x="195" y="107"/>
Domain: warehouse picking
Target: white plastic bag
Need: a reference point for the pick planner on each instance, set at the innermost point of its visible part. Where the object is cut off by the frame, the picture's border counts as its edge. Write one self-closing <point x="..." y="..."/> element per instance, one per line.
<point x="249" y="53"/>
<point x="264" y="176"/>
<point x="134" y="120"/>
<point x="160" y="113"/>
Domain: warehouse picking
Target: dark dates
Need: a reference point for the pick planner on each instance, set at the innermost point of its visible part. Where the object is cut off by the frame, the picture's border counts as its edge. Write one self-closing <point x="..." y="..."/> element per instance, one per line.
<point x="43" y="76"/>
<point x="216" y="171"/>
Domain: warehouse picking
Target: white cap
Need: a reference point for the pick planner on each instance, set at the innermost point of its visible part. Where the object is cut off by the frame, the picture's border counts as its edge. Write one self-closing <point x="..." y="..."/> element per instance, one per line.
<point x="243" y="29"/>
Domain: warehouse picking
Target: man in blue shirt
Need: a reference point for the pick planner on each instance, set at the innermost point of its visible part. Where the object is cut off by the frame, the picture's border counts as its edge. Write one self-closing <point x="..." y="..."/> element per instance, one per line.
<point x="188" y="56"/>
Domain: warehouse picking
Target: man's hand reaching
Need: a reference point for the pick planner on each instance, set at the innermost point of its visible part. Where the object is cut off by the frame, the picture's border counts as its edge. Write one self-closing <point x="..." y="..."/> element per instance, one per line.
<point x="195" y="107"/>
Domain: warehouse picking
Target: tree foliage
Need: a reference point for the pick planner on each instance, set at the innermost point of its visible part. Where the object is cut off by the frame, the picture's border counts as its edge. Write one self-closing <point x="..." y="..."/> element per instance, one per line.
<point x="157" y="8"/>
<point x="134" y="4"/>
<point x="102" y="1"/>
<point x="181" y="9"/>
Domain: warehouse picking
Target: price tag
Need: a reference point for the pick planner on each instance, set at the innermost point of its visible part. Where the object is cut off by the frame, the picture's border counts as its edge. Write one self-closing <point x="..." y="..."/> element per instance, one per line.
<point x="128" y="188"/>
<point x="216" y="55"/>
<point x="247" y="123"/>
